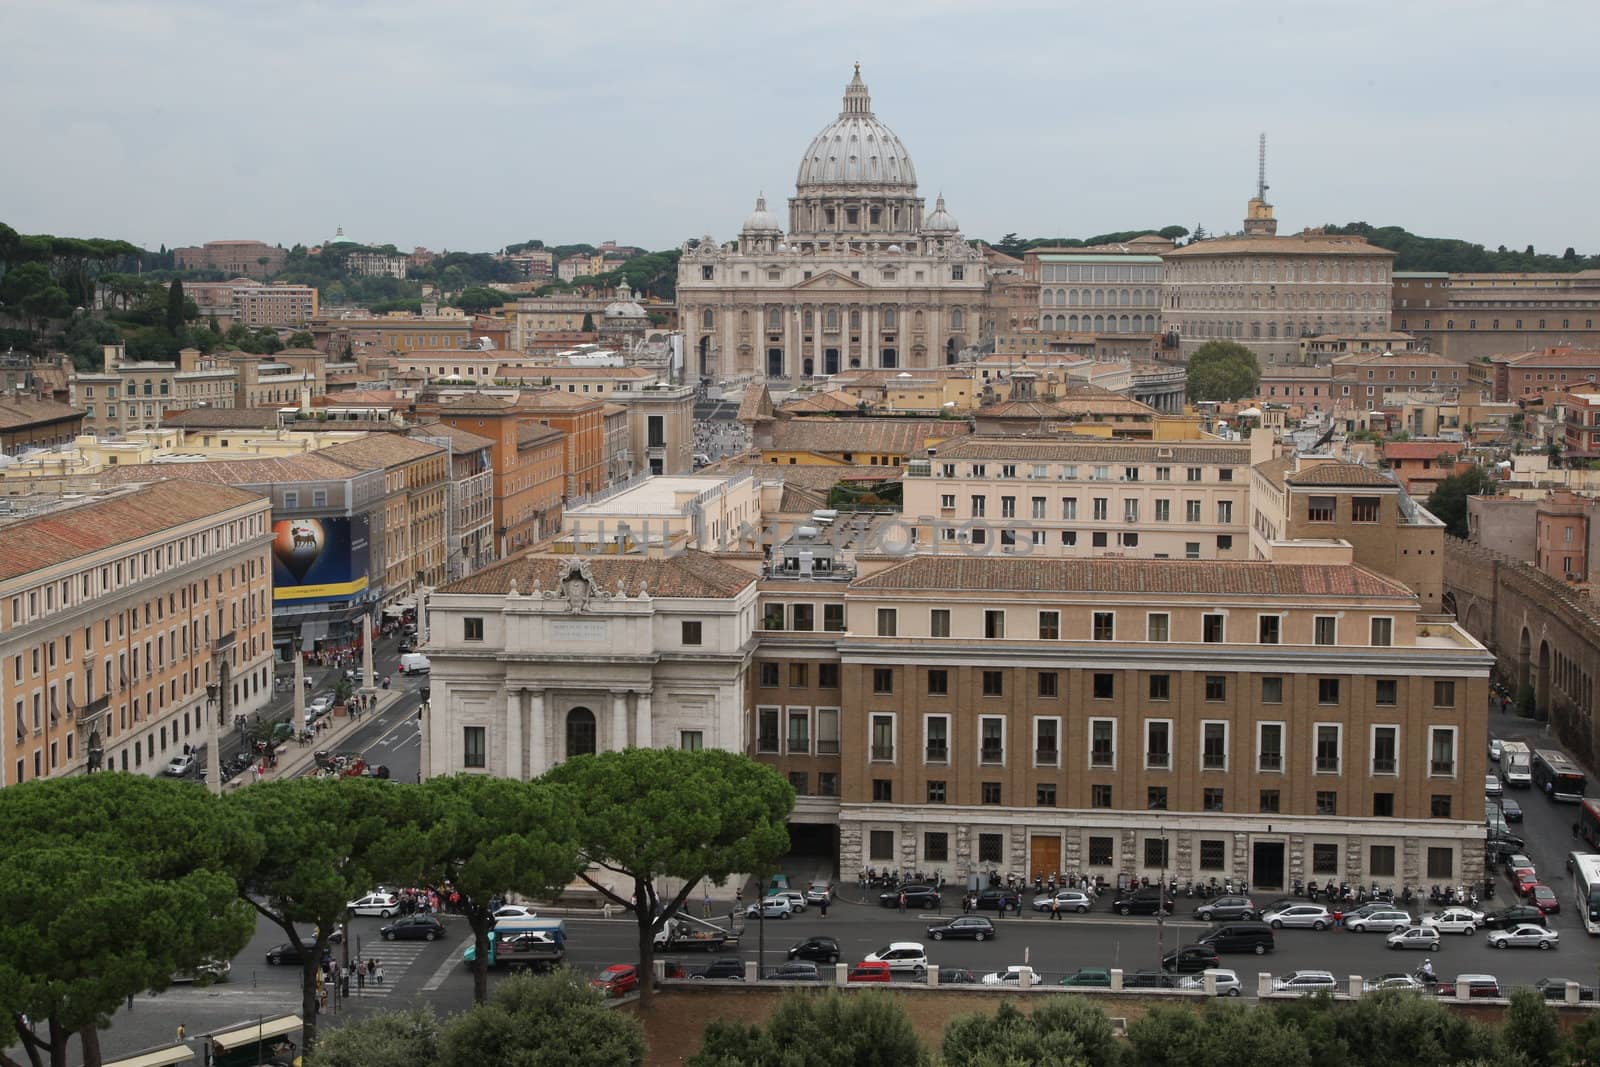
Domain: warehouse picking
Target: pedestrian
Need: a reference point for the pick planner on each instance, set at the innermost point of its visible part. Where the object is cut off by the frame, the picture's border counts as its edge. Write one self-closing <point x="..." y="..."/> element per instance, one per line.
<point x="361" y="978"/>
<point x="822" y="906"/>
<point x="1055" y="908"/>
<point x="183" y="1032"/>
<point x="902" y="900"/>
<point x="372" y="966"/>
<point x="377" y="974"/>
<point x="130" y="1001"/>
<point x="706" y="905"/>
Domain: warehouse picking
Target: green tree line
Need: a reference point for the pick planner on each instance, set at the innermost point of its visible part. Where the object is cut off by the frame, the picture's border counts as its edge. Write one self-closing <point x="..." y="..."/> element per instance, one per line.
<point x="1415" y="252"/>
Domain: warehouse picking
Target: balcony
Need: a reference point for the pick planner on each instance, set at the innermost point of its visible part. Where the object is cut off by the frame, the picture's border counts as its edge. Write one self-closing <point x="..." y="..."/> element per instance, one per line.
<point x="1271" y="761"/>
<point x="1153" y="759"/>
<point x="883" y="753"/>
<point x="937" y="754"/>
<point x="1383" y="765"/>
<point x="1046" y="757"/>
<point x="89" y="714"/>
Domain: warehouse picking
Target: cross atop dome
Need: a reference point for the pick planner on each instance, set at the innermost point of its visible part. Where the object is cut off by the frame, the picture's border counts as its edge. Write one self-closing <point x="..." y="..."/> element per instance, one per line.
<point x="856" y="100"/>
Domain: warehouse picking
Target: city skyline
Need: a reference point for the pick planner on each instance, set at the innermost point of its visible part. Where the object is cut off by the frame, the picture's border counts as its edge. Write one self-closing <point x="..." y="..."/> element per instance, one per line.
<point x="508" y="124"/>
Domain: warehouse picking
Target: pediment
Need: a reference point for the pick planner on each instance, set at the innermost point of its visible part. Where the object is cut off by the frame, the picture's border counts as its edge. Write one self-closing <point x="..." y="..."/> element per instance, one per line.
<point x="832" y="280"/>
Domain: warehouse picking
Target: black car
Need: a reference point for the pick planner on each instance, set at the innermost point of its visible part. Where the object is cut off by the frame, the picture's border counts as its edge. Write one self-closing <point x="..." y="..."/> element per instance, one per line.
<point x="1506" y="918"/>
<point x="917" y="896"/>
<point x="816" y="949"/>
<point x="801" y="971"/>
<point x="1556" y="989"/>
<point x="972" y="927"/>
<point x="1510" y="809"/>
<point x="288" y="953"/>
<point x="1190" y="959"/>
<point x="957" y="976"/>
<point x="1143" y="901"/>
<point x="413" y="928"/>
<point x="1224" y="908"/>
<point x="998" y="900"/>
<point x="723" y="968"/>
<point x="1148" y="980"/>
<point x="1500" y="851"/>
<point x="406" y="645"/>
<point x="1505" y="838"/>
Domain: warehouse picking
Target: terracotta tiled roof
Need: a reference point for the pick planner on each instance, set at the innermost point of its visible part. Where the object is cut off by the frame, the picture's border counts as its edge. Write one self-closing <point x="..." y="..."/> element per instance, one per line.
<point x="1287" y="244"/>
<point x="1158" y="576"/>
<point x="222" y="419"/>
<point x="1273" y="470"/>
<point x="756" y="403"/>
<point x="18" y="411"/>
<point x="530" y="434"/>
<point x="1045" y="449"/>
<point x="554" y="400"/>
<point x="1422" y="449"/>
<point x="359" y="398"/>
<point x="463" y="440"/>
<point x="817" y="403"/>
<point x="477" y="403"/>
<point x="1565" y="357"/>
<point x="268" y="470"/>
<point x="1346" y="474"/>
<point x="1023" y="409"/>
<point x="1395" y="359"/>
<point x="688" y="574"/>
<point x="67" y="533"/>
<point x="798" y="498"/>
<point x="898" y="437"/>
<point x="378" y="451"/>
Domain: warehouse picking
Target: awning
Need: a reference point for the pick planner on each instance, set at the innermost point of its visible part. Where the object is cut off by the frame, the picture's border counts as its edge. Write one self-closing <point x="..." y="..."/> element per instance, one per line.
<point x="161" y="1057"/>
<point x="268" y="1028"/>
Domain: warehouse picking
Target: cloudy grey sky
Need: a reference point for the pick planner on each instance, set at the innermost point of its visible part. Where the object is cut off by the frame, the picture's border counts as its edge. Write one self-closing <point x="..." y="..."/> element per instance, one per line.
<point x="471" y="124"/>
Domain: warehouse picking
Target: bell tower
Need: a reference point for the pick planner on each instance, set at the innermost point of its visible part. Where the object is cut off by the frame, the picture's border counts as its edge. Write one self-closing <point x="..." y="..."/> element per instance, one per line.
<point x="1258" y="220"/>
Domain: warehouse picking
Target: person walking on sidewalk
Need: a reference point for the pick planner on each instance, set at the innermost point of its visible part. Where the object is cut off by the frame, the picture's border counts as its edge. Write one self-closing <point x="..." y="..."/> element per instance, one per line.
<point x="1055" y="908"/>
<point x="902" y="901"/>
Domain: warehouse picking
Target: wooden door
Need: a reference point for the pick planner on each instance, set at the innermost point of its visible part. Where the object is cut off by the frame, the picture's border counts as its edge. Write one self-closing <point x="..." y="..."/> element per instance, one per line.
<point x="1044" y="857"/>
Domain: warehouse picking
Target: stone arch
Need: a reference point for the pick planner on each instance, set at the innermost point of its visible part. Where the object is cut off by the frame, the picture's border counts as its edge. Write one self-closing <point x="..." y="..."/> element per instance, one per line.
<point x="581" y="733"/>
<point x="1524" y="654"/>
<point x="1541" y="686"/>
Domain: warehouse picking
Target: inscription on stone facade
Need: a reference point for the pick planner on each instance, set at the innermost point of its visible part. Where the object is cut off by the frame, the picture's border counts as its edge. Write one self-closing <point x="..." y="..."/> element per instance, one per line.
<point x="578" y="629"/>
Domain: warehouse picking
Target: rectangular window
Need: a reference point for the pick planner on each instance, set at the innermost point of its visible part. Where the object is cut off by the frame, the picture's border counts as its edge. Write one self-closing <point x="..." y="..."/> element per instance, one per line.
<point x="1047" y="683"/>
<point x="767" y="729"/>
<point x="1161" y="687"/>
<point x="1214" y="746"/>
<point x="799" y="675"/>
<point x="472" y="746"/>
<point x="1364" y="509"/>
<point x="1380" y="861"/>
<point x="1157" y="626"/>
<point x="1049" y="625"/>
<point x="799" y="731"/>
<point x="938" y="682"/>
<point x="471" y="629"/>
<point x="1269" y="801"/>
<point x="691" y="740"/>
<point x="1155" y="798"/>
<point x="994" y="683"/>
<point x="888" y="622"/>
<point x="798" y="780"/>
<point x="1385" y="749"/>
<point x="1327" y="802"/>
<point x="1442" y="863"/>
<point x="991" y="739"/>
<point x="1383" y="632"/>
<point x="1130" y="510"/>
<point x="936" y="846"/>
<point x="1099" y="797"/>
<point x="1272" y="690"/>
<point x="833" y="618"/>
<point x="1325" y="630"/>
<point x="883" y="738"/>
<point x="1320" y="508"/>
<point x="772" y="617"/>
<point x="691" y="631"/>
<point x="1216" y="687"/>
<point x="804" y="618"/>
<point x="1442" y="752"/>
<point x="1101" y="508"/>
<point x="1102" y="850"/>
<point x="883" y="679"/>
<point x="1103" y="686"/>
<point x="939" y="622"/>
<point x="1212" y="854"/>
<point x="1224" y="512"/>
<point x="937" y="747"/>
<point x="881" y="844"/>
<point x="1191" y="511"/>
<point x="827" y="676"/>
<point x="1383" y="805"/>
<point x="1046" y="744"/>
<point x="1327" y="690"/>
<point x="1158" y="744"/>
<point x="1212" y="799"/>
<point x="883" y="791"/>
<point x="1212" y="629"/>
<point x="1044" y="795"/>
<point x="936" y="791"/>
<point x="1069" y="507"/>
<point x="1105" y="627"/>
<point x="991" y="848"/>
<point x="1268" y="628"/>
<point x="769" y="676"/>
<point x="1191" y="550"/>
<point x="1444" y="694"/>
<point x="994" y="625"/>
<point x="1386" y="692"/>
<point x="1324" y="859"/>
<point x="1327" y="752"/>
<point x="1102" y="743"/>
<point x="1163" y="510"/>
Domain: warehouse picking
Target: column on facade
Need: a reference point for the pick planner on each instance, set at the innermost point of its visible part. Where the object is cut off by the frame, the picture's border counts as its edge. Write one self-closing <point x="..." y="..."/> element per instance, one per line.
<point x="538" y="734"/>
<point x="728" y="358"/>
<point x="819" y="320"/>
<point x="871" y="324"/>
<point x="619" y="720"/>
<point x="791" y="334"/>
<point x="643" y="727"/>
<point x="514" y="767"/>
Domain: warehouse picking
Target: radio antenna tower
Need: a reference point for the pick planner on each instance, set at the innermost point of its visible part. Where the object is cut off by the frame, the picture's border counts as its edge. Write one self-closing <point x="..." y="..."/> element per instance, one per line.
<point x="1261" y="169"/>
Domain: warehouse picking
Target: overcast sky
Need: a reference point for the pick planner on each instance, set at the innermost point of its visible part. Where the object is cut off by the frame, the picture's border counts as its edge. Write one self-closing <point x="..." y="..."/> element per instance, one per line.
<point x="473" y="124"/>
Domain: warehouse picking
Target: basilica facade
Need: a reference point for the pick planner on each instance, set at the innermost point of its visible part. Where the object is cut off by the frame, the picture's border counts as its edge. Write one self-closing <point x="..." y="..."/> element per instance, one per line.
<point x="861" y="277"/>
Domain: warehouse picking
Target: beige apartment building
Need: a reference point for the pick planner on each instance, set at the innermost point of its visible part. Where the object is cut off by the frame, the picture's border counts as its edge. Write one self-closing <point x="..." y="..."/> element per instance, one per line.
<point x="707" y="512"/>
<point x="1003" y="495"/>
<point x="127" y="395"/>
<point x="116" y="611"/>
<point x="274" y="305"/>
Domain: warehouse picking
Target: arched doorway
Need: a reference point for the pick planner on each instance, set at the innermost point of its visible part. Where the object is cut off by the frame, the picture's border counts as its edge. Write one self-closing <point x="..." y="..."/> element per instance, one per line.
<point x="580" y="732"/>
<point x="1524" y="655"/>
<point x="704" y="349"/>
<point x="774" y="363"/>
<point x="808" y="367"/>
<point x="950" y="350"/>
<point x="1541" y="686"/>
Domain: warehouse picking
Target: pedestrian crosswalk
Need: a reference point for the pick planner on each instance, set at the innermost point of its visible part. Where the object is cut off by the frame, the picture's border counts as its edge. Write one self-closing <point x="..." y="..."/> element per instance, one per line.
<point x="393" y="957"/>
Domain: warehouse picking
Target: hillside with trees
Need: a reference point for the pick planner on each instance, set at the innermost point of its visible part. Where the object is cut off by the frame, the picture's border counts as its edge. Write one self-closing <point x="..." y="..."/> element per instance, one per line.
<point x="1012" y="245"/>
<point x="1415" y="252"/>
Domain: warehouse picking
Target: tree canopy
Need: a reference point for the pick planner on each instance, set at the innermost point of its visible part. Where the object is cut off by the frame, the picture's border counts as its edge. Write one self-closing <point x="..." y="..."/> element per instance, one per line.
<point x="1064" y="1030"/>
<point x="649" y="814"/>
<point x="1448" y="501"/>
<point x="1223" y="370"/>
<point x="1415" y="252"/>
<point x="478" y="298"/>
<point x="819" y="1029"/>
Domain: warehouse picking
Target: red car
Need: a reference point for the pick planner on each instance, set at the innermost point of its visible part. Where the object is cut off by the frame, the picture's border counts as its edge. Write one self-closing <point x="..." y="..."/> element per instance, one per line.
<point x="617" y="980"/>
<point x="1526" y="880"/>
<point x="1544" y="898"/>
<point x="871" y="971"/>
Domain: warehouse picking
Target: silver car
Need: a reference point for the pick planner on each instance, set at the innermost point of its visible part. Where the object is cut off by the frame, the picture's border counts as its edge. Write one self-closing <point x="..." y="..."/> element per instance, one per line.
<point x="1066" y="900"/>
<point x="1314" y="916"/>
<point x="1423" y="937"/>
<point x="1394" y="980"/>
<point x="1524" y="935"/>
<point x="1306" y="982"/>
<point x="1384" y="920"/>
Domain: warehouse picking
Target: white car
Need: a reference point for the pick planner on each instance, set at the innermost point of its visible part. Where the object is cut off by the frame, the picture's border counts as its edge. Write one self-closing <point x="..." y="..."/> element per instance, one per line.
<point x="1454" y="921"/>
<point x="318" y="707"/>
<point x="819" y="893"/>
<point x="1306" y="983"/>
<point x="1313" y="915"/>
<point x="771" y="908"/>
<point x="1495" y="749"/>
<point x="1227" y="982"/>
<point x="382" y="905"/>
<point x="1012" y="975"/>
<point x="514" y="911"/>
<point x="1393" y="981"/>
<point x="796" y="899"/>
<point x="902" y="956"/>
<point x="1492" y="786"/>
<point x="1423" y="937"/>
<point x="1524" y="935"/>
<point x="180" y="766"/>
<point x="1385" y="920"/>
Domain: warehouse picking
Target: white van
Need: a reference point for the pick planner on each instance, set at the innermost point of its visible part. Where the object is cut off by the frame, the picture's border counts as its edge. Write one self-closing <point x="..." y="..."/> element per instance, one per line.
<point x="414" y="663"/>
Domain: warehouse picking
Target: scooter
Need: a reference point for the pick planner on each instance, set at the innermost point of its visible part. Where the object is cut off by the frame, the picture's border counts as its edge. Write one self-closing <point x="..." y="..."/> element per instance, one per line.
<point x="1299" y="888"/>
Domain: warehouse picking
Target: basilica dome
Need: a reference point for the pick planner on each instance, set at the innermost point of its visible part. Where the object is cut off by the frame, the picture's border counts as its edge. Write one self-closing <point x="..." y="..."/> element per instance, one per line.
<point x="941" y="221"/>
<point x="856" y="149"/>
<point x="761" y="220"/>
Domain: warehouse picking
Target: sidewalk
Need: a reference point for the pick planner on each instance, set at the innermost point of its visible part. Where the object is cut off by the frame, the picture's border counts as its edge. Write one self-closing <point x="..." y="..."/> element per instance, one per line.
<point x="298" y="756"/>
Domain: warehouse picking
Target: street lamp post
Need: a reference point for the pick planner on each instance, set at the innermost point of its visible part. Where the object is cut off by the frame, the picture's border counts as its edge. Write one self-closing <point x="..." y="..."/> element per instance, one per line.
<point x="213" y="745"/>
<point x="1161" y="903"/>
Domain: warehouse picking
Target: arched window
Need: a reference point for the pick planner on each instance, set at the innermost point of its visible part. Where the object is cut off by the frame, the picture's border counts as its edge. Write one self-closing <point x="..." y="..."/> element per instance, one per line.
<point x="1255" y="330"/>
<point x="1072" y="323"/>
<point x="832" y="319"/>
<point x="806" y="319"/>
<point x="774" y="319"/>
<point x="1049" y="298"/>
<point x="148" y="389"/>
<point x="890" y="316"/>
<point x="855" y="319"/>
<point x="1061" y="297"/>
<point x="1272" y="331"/>
<point x="166" y="387"/>
<point x="708" y="319"/>
<point x="1124" y="297"/>
<point x="1099" y="297"/>
<point x="744" y="320"/>
<point x="580" y="732"/>
<point x="956" y="319"/>
<point x="1099" y="323"/>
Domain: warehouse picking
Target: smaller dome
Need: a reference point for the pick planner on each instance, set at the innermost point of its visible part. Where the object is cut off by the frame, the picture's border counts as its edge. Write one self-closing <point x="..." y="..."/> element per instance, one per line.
<point x="761" y="220"/>
<point x="893" y="248"/>
<point x="623" y="307"/>
<point x="941" y="221"/>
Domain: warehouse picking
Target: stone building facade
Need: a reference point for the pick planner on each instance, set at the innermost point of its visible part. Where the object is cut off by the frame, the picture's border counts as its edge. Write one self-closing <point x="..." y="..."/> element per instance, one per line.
<point x="862" y="279"/>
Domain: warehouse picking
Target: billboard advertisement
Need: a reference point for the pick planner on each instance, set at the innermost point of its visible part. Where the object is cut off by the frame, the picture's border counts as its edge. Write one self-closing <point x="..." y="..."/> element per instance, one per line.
<point x="319" y="559"/>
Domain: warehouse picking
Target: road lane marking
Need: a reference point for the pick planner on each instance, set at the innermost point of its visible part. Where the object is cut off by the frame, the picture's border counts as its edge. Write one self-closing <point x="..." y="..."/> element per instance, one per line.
<point x="451" y="962"/>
